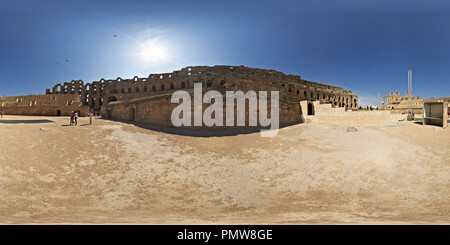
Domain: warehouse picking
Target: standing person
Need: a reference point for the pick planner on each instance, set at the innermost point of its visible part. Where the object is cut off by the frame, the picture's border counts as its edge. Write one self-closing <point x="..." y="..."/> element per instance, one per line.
<point x="72" y="116"/>
<point x="90" y="117"/>
<point x="1" y="113"/>
<point x="76" y="118"/>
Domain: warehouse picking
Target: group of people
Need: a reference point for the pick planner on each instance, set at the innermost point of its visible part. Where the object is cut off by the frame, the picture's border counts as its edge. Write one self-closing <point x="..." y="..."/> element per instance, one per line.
<point x="74" y="118"/>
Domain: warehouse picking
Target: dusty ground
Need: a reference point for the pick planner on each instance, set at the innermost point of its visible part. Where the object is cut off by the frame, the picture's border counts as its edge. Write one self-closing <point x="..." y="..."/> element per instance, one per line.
<point x="113" y="172"/>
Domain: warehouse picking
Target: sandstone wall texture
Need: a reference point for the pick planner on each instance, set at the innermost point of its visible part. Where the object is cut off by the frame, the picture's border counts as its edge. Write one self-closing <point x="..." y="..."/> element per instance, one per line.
<point x="43" y="105"/>
<point x="326" y="114"/>
<point x="399" y="104"/>
<point x="147" y="100"/>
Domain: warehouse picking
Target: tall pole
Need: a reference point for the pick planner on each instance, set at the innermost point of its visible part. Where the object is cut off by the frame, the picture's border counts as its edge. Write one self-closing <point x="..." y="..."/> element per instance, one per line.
<point x="410" y="112"/>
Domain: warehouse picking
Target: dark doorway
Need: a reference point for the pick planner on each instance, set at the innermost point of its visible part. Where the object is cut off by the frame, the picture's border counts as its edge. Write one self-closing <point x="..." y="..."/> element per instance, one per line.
<point x="131" y="115"/>
<point x="310" y="109"/>
<point x="58" y="113"/>
<point x="111" y="99"/>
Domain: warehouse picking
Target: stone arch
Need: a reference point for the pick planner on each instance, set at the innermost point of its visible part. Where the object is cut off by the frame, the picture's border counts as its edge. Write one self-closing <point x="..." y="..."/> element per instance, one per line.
<point x="112" y="98"/>
<point x="58" y="88"/>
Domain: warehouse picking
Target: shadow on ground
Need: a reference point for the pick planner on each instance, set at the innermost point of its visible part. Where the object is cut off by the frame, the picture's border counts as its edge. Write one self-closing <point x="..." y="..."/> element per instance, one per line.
<point x="232" y="131"/>
<point x="25" y="121"/>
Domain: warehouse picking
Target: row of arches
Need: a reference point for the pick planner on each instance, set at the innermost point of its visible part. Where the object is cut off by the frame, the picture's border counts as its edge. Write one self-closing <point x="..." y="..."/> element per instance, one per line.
<point x="160" y="87"/>
<point x="338" y="101"/>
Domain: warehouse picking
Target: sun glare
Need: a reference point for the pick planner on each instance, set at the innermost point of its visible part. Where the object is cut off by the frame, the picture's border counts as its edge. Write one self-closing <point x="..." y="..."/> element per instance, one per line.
<point x="152" y="51"/>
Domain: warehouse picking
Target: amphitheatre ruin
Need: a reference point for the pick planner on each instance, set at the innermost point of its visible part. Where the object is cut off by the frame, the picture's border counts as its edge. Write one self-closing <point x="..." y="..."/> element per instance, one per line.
<point x="147" y="100"/>
<point x="331" y="162"/>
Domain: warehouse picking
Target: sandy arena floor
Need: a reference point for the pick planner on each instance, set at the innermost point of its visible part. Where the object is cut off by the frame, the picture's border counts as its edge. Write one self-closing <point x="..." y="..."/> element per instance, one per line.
<point x="112" y="172"/>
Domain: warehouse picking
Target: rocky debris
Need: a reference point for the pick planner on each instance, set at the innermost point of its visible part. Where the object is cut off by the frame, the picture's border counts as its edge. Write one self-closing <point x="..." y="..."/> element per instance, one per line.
<point x="351" y="129"/>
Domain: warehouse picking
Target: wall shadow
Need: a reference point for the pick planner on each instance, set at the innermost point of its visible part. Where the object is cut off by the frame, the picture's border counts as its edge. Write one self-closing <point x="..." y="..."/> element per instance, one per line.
<point x="25" y="121"/>
<point x="232" y="131"/>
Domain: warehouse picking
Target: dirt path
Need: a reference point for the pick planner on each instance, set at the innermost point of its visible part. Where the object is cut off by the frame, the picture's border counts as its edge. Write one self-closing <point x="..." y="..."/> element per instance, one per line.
<point x="112" y="172"/>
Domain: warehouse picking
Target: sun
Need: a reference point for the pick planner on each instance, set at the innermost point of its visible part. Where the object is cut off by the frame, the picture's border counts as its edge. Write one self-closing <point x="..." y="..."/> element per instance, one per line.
<point x="153" y="51"/>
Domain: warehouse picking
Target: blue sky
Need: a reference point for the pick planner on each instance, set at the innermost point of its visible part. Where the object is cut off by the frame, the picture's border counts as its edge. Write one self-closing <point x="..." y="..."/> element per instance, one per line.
<point x="363" y="46"/>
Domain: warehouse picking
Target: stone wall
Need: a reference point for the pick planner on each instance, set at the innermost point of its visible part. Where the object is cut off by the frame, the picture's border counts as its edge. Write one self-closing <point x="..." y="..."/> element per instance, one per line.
<point x="292" y="87"/>
<point x="43" y="105"/>
<point x="157" y="110"/>
<point x="324" y="113"/>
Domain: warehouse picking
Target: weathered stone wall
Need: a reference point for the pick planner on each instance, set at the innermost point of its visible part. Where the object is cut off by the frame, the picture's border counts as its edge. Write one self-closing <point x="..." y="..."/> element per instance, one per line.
<point x="399" y="104"/>
<point x="293" y="87"/>
<point x="157" y="110"/>
<point x="147" y="100"/>
<point x="43" y="105"/>
<point x="324" y="113"/>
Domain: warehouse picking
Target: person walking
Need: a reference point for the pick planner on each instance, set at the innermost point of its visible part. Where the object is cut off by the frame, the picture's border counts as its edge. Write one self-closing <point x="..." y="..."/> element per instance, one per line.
<point x="76" y="118"/>
<point x="72" y="117"/>
<point x="90" y="117"/>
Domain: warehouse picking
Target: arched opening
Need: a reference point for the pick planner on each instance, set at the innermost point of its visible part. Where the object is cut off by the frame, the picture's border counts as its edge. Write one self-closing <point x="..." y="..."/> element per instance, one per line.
<point x="145" y="88"/>
<point x="183" y="85"/>
<point x="153" y="88"/>
<point x="137" y="89"/>
<point x="112" y="98"/>
<point x="172" y="86"/>
<point x="298" y="92"/>
<point x="123" y="91"/>
<point x="310" y="109"/>
<point x="129" y="90"/>
<point x="162" y="86"/>
<point x="208" y="84"/>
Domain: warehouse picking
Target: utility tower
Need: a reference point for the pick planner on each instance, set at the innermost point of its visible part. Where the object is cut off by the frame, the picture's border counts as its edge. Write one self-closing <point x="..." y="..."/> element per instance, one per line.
<point x="410" y="110"/>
